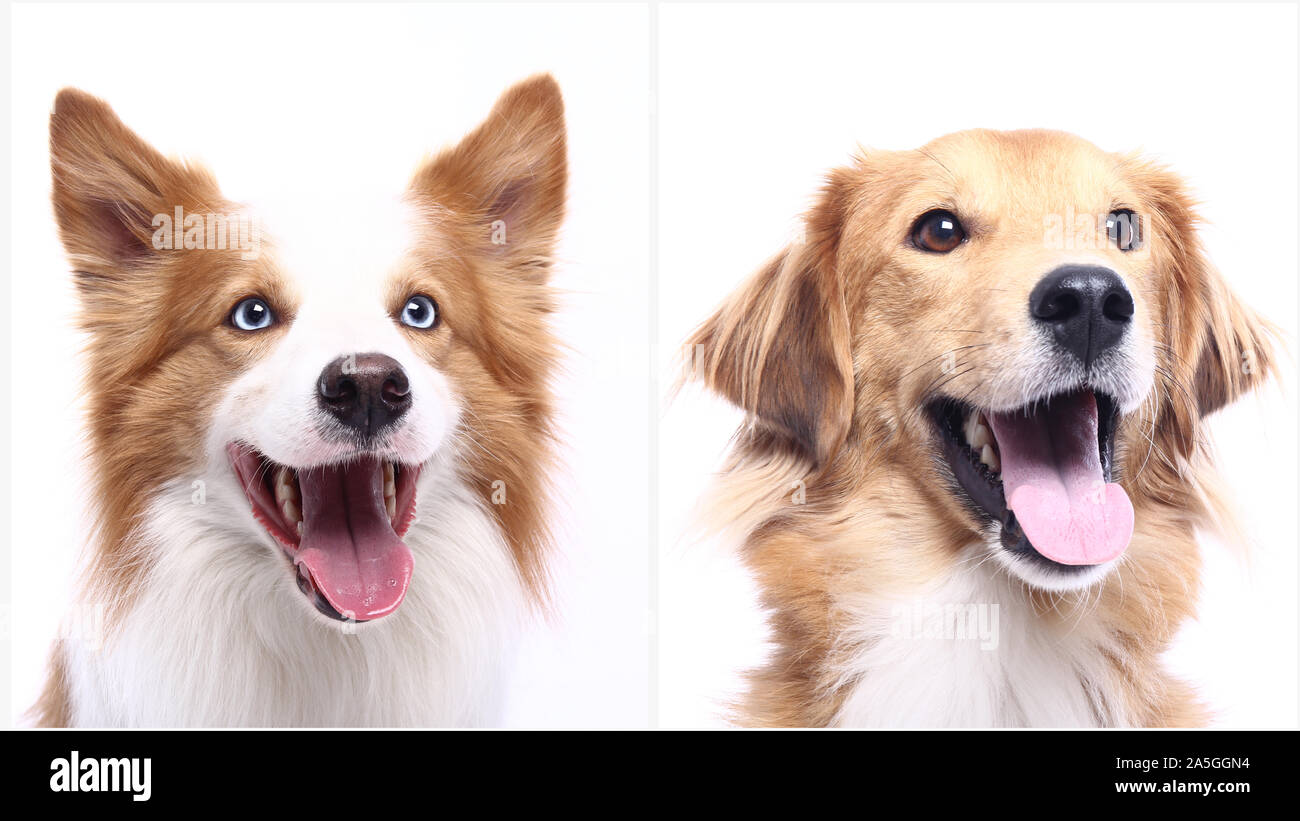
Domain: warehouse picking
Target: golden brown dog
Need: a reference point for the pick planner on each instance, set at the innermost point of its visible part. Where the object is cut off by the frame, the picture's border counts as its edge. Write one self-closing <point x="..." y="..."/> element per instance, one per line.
<point x="976" y="458"/>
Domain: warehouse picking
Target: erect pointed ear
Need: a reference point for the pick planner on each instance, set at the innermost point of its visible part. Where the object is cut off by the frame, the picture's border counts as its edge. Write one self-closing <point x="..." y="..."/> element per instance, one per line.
<point x="1223" y="347"/>
<point x="108" y="186"/>
<point x="508" y="176"/>
<point x="780" y="346"/>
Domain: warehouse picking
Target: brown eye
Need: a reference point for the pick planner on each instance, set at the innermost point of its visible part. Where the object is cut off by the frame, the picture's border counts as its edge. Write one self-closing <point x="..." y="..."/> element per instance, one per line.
<point x="1124" y="229"/>
<point x="938" y="232"/>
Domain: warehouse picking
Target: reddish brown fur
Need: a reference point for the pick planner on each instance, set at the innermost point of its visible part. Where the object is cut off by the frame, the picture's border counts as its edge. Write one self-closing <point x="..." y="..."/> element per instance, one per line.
<point x="54" y="707"/>
<point x="141" y="363"/>
<point x="144" y="364"/>
<point x="501" y="354"/>
<point x="832" y="348"/>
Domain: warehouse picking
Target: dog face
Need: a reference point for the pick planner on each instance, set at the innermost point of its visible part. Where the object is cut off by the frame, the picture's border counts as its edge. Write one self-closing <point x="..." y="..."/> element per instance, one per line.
<point x="361" y="340"/>
<point x="1020" y="320"/>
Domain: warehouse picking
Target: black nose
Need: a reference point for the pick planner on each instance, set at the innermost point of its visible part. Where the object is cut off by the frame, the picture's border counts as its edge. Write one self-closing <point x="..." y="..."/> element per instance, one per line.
<point x="1086" y="307"/>
<point x="366" y="392"/>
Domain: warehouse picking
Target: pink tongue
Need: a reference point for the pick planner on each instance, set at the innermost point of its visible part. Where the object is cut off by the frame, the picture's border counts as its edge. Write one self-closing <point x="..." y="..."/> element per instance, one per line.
<point x="348" y="543"/>
<point x="1052" y="478"/>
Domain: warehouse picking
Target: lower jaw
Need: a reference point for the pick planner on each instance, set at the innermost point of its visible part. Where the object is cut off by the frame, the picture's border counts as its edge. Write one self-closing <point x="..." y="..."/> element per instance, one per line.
<point x="307" y="586"/>
<point x="269" y="512"/>
<point x="1016" y="544"/>
<point x="1042" y="574"/>
<point x="981" y="493"/>
<point x="1018" y="555"/>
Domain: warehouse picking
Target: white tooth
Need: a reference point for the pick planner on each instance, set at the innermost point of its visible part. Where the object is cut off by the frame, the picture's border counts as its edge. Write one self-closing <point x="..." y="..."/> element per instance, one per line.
<point x="390" y="505"/>
<point x="980" y="438"/>
<point x="285" y="485"/>
<point x="291" y="512"/>
<point x="971" y="427"/>
<point x="390" y="480"/>
<point x="988" y="457"/>
<point x="300" y="529"/>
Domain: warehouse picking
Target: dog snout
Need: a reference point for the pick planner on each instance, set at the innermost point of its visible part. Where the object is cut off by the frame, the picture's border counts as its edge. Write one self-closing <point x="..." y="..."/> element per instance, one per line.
<point x="1086" y="307"/>
<point x="366" y="392"/>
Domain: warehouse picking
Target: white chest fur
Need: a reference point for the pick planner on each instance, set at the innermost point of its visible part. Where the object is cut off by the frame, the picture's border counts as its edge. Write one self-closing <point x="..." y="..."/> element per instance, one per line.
<point x="971" y="652"/>
<point x="220" y="635"/>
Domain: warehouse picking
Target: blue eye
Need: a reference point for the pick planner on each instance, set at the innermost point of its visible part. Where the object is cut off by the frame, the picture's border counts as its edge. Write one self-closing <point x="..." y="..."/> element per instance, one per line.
<point x="252" y="314"/>
<point x="420" y="312"/>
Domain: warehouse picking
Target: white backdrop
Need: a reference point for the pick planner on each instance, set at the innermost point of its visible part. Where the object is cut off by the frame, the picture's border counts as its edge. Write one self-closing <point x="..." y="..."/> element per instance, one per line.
<point x="757" y="101"/>
<point x="268" y="96"/>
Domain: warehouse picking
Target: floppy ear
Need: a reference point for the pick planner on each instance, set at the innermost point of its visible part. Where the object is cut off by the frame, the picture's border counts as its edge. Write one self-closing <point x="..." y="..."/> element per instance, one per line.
<point x="779" y="347"/>
<point x="108" y="185"/>
<point x="508" y="176"/>
<point x="1221" y="347"/>
<point x="1236" y="352"/>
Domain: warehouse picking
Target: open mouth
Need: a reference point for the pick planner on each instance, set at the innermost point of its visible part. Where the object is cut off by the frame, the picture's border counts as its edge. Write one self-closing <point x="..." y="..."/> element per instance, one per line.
<point x="340" y="525"/>
<point x="1044" y="473"/>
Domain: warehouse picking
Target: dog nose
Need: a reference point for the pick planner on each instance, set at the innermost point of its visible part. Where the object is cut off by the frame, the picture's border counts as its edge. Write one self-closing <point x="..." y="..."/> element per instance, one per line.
<point x="366" y="392"/>
<point x="1086" y="307"/>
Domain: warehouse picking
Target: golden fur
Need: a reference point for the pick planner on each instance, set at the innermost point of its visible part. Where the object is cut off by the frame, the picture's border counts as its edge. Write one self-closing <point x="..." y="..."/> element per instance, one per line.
<point x="835" y="346"/>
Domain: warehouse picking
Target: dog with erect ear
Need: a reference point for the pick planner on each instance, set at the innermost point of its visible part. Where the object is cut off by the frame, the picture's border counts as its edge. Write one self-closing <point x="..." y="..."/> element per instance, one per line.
<point x="318" y="434"/>
<point x="988" y="363"/>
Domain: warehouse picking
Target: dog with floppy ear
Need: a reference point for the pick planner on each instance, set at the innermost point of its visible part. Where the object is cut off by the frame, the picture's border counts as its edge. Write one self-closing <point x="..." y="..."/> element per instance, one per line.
<point x="319" y="472"/>
<point x="780" y="347"/>
<point x="995" y="422"/>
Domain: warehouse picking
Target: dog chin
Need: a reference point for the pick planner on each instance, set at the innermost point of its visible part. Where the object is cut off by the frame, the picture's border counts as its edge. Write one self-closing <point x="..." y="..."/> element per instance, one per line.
<point x="1044" y="574"/>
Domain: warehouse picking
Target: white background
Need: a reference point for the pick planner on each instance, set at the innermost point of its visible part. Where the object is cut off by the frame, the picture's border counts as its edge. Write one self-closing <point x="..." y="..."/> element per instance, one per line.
<point x="278" y="96"/>
<point x="756" y="102"/>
